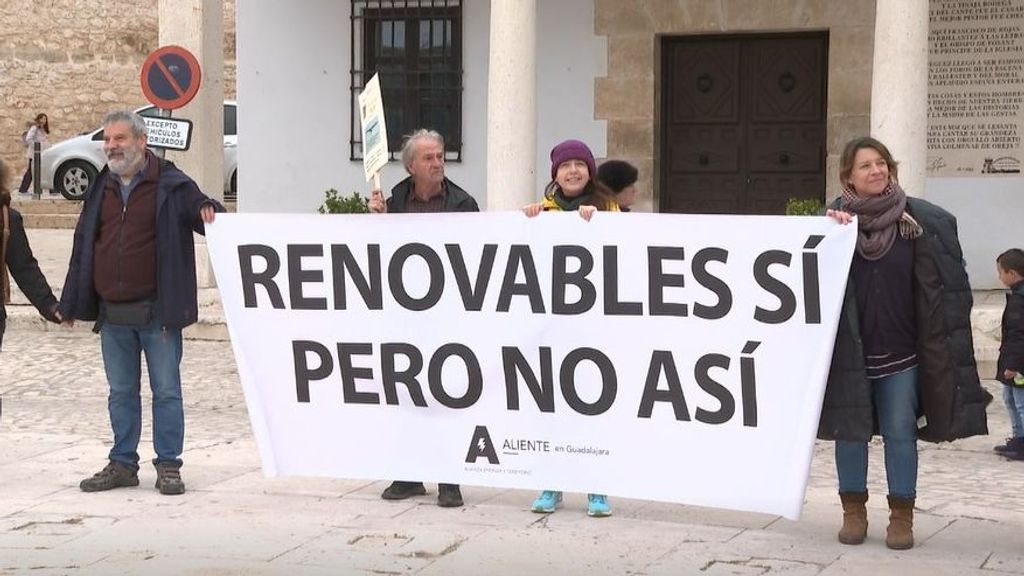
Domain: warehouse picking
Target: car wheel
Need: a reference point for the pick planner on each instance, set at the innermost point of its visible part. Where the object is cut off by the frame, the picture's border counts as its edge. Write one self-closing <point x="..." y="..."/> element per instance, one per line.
<point x="74" y="178"/>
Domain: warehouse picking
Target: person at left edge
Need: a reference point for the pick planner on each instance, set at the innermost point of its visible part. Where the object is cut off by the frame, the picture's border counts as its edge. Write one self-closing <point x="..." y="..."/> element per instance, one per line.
<point x="426" y="190"/>
<point x="17" y="258"/>
<point x="133" y="271"/>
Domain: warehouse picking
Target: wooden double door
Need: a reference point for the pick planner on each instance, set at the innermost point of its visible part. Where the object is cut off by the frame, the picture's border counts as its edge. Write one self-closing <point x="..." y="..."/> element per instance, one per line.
<point x="743" y="122"/>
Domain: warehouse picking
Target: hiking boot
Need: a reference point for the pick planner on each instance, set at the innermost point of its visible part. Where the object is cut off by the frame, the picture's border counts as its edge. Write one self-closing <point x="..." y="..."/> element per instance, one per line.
<point x="113" y="475"/>
<point x="1011" y="445"/>
<point x="168" y="479"/>
<point x="597" y="506"/>
<point x="547" y="502"/>
<point x="449" y="496"/>
<point x="400" y="490"/>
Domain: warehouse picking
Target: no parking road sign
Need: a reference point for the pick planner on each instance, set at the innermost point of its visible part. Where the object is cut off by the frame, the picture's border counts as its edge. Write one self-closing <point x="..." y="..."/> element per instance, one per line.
<point x="170" y="77"/>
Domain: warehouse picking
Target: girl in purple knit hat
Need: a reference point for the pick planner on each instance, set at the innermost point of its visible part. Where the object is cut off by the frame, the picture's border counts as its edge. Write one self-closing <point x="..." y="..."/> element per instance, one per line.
<point x="573" y="184"/>
<point x="573" y="187"/>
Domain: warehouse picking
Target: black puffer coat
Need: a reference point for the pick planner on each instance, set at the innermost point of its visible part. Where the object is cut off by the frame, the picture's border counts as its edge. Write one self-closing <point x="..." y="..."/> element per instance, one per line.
<point x="1011" y="346"/>
<point x="23" y="268"/>
<point x="951" y="397"/>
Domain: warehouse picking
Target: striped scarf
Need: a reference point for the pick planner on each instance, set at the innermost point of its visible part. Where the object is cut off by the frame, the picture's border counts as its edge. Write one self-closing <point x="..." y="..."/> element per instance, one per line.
<point x="879" y="219"/>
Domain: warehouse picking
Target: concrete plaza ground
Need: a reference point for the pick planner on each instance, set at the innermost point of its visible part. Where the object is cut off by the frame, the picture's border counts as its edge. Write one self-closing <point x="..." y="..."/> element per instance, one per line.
<point x="54" y="432"/>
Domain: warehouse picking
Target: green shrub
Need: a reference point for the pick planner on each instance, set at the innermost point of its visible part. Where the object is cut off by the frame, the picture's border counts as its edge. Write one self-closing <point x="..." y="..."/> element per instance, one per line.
<point x="804" y="207"/>
<point x="334" y="203"/>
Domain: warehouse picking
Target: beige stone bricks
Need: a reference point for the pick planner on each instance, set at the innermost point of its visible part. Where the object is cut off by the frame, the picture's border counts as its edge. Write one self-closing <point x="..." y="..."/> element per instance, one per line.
<point x="76" y="60"/>
<point x="628" y="97"/>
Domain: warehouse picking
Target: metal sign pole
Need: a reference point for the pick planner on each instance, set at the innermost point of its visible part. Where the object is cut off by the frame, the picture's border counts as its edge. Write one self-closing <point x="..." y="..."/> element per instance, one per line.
<point x="37" y="170"/>
<point x="163" y="113"/>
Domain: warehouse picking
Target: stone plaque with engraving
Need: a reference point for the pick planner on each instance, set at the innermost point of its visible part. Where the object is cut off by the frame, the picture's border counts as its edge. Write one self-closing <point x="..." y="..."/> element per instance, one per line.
<point x="975" y="87"/>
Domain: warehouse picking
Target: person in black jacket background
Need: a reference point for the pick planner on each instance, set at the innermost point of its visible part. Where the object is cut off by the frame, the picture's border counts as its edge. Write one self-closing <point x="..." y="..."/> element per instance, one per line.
<point x="1010" y="366"/>
<point x="903" y="348"/>
<point x="18" y="259"/>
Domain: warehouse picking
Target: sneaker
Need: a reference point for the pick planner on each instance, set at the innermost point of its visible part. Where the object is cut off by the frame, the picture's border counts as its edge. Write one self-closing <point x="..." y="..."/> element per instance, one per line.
<point x="400" y="490"/>
<point x="597" y="506"/>
<point x="547" y="502"/>
<point x="168" y="479"/>
<point x="1011" y="445"/>
<point x="113" y="475"/>
<point x="449" y="496"/>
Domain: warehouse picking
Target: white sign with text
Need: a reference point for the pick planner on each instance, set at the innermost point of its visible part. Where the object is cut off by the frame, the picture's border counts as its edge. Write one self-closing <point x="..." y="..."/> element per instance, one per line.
<point x="169" y="133"/>
<point x="375" y="132"/>
<point x="679" y="358"/>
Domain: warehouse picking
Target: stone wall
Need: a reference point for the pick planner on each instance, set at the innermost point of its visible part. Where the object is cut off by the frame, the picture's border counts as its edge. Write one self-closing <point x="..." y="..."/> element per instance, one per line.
<point x="628" y="97"/>
<point x="76" y="60"/>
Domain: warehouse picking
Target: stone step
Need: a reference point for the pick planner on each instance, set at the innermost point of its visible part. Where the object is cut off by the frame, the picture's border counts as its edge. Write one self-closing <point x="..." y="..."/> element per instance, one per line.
<point x="59" y="214"/>
<point x="24" y="320"/>
<point x="51" y="221"/>
<point x="46" y="206"/>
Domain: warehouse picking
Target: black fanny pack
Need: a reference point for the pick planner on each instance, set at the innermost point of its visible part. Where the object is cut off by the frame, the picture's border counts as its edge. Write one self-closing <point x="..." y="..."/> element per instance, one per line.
<point x="137" y="313"/>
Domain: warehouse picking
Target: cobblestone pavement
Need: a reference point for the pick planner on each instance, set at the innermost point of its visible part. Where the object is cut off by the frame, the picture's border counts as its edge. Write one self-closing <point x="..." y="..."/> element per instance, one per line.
<point x="54" y="432"/>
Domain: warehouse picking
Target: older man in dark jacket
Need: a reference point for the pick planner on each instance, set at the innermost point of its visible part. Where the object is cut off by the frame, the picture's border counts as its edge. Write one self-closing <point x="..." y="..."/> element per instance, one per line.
<point x="425" y="190"/>
<point x="132" y="270"/>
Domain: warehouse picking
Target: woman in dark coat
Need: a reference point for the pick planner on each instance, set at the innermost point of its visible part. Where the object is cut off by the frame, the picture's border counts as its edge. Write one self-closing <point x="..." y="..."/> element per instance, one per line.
<point x="18" y="261"/>
<point x="904" y="354"/>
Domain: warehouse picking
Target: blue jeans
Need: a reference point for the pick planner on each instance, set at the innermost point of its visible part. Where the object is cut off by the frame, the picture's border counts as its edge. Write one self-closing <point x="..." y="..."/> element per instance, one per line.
<point x="895" y="400"/>
<point x="1013" y="397"/>
<point x="123" y="347"/>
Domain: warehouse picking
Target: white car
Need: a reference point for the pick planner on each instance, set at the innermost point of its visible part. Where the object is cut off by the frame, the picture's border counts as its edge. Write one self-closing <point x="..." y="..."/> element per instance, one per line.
<point x="70" y="166"/>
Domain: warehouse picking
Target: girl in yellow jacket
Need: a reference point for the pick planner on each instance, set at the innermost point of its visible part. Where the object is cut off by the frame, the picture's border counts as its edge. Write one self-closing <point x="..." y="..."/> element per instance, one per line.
<point x="573" y="187"/>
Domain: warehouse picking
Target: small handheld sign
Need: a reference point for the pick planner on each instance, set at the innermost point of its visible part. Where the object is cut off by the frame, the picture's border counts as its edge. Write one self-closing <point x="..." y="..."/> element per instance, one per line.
<point x="375" y="132"/>
<point x="170" y="77"/>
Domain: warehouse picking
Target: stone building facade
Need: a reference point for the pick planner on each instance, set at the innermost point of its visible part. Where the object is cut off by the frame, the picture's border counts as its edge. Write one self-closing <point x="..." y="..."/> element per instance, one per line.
<point x="76" y="60"/>
<point x="626" y="98"/>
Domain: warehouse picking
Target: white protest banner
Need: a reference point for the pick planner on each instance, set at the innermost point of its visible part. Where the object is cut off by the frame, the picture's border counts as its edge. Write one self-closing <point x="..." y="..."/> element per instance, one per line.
<point x="678" y="358"/>
<point x="375" y="132"/>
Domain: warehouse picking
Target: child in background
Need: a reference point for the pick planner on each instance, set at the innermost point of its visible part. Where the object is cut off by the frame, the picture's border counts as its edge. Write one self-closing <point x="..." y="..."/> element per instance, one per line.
<point x="1010" y="266"/>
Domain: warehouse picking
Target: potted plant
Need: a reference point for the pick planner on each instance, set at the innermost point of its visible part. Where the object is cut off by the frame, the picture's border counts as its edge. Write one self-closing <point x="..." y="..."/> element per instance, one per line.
<point x="334" y="203"/>
<point x="804" y="207"/>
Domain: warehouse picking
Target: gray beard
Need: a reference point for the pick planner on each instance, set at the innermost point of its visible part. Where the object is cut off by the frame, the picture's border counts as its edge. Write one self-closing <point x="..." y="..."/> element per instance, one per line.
<point x="126" y="166"/>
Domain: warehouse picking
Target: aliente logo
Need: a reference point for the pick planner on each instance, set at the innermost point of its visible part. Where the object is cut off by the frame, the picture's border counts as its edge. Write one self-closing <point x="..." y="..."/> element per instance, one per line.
<point x="481" y="446"/>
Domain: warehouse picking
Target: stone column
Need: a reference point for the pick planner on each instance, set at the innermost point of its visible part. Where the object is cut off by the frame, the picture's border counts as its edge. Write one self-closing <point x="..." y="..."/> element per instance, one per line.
<point x="198" y="26"/>
<point x="899" y="87"/>
<point x="511" y="105"/>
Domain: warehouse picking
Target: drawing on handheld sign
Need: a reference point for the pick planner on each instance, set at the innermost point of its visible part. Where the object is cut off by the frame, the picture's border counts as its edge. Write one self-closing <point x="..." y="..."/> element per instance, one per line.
<point x="375" y="132"/>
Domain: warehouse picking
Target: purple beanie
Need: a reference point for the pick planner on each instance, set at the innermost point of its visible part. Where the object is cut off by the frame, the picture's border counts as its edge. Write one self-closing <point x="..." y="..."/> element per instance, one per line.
<point x="572" y="150"/>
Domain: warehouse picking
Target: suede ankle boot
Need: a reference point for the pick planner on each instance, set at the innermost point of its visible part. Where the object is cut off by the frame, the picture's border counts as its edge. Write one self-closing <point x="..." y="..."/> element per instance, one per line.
<point x="900" y="533"/>
<point x="855" y="517"/>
